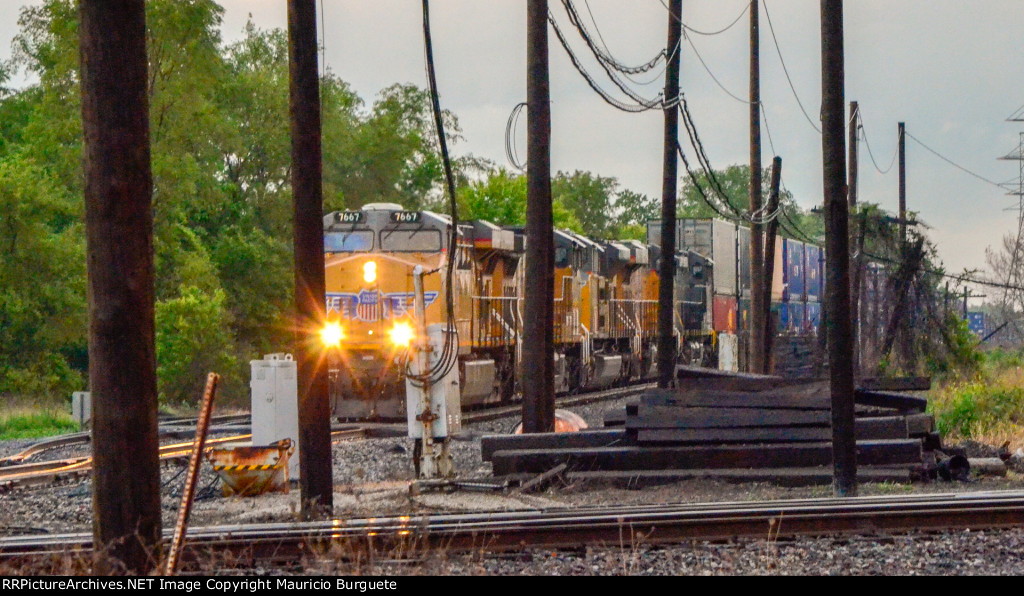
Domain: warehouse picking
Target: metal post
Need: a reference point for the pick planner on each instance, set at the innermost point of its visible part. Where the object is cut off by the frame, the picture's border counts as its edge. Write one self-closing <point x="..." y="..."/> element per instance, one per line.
<point x="315" y="467"/>
<point x="538" y="328"/>
<point x="119" y="234"/>
<point x="851" y="189"/>
<point x="669" y="183"/>
<point x="837" y="241"/>
<point x="189" y="491"/>
<point x="766" y="331"/>
<point x="758" y="313"/>
<point x="903" y="183"/>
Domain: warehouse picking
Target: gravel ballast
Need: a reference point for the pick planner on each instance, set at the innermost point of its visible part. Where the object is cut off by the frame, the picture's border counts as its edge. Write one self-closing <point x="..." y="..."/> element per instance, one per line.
<point x="373" y="476"/>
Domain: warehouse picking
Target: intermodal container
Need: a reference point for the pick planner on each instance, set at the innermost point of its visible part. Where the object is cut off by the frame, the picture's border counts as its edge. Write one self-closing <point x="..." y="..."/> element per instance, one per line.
<point x="813" y="258"/>
<point x="796" y="316"/>
<point x="778" y="272"/>
<point x="795" y="270"/>
<point x="812" y="317"/>
<point x="723" y="314"/>
<point x="744" y="260"/>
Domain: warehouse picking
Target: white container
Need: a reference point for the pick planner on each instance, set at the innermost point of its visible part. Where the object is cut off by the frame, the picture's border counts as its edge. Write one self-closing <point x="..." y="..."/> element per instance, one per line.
<point x="728" y="352"/>
<point x="275" y="404"/>
<point x="81" y="407"/>
<point x="443" y="397"/>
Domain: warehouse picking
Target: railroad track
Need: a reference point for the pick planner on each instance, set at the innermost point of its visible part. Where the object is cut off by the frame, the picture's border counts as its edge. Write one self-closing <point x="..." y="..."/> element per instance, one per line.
<point x="52" y="471"/>
<point x="611" y="526"/>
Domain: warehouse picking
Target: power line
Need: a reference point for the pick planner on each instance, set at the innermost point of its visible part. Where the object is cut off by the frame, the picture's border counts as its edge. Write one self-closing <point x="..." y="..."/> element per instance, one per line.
<point x="786" y="70"/>
<point x="695" y="31"/>
<point x="711" y="74"/>
<point x="952" y="163"/>
<point x="871" y="154"/>
<point x="511" y="153"/>
<point x="607" y="97"/>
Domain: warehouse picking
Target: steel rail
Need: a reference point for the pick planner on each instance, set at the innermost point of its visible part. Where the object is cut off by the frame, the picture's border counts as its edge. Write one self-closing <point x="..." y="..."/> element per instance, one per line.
<point x="613" y="526"/>
<point x="45" y="472"/>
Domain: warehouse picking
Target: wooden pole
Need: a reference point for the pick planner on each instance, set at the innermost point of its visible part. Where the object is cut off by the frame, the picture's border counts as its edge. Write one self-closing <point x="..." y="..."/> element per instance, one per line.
<point x="119" y="234"/>
<point x="669" y="184"/>
<point x="538" y="326"/>
<point x="315" y="469"/>
<point x="837" y="297"/>
<point x="758" y="316"/>
<point x="766" y="330"/>
<point x="903" y="182"/>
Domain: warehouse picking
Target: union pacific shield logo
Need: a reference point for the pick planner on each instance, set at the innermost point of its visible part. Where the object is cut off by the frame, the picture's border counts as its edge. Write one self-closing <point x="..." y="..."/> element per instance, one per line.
<point x="369" y="306"/>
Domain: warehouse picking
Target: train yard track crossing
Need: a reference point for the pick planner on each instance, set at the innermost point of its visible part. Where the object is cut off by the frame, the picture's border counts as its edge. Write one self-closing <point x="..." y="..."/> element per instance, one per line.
<point x="607" y="526"/>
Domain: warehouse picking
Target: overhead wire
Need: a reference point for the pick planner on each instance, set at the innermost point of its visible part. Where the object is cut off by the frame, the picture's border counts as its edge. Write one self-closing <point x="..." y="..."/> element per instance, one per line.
<point x="792" y="87"/>
<point x="449" y="351"/>
<point x="511" y="153"/>
<point x="864" y="135"/>
<point x="952" y="163"/>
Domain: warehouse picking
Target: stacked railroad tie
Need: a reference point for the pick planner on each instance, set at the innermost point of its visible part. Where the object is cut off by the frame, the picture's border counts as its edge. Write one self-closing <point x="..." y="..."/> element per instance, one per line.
<point x="736" y="428"/>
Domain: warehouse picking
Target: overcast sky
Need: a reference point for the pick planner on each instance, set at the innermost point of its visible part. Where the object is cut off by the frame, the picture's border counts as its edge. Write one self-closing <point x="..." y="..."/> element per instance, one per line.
<point x="951" y="70"/>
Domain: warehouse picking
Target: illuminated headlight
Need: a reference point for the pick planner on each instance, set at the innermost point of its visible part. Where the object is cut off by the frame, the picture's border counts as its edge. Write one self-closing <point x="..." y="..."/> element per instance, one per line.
<point x="401" y="334"/>
<point x="370" y="272"/>
<point x="331" y="335"/>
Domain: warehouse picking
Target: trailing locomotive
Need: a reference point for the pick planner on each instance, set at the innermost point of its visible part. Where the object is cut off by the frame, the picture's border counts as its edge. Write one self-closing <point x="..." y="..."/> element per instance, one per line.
<point x="605" y="310"/>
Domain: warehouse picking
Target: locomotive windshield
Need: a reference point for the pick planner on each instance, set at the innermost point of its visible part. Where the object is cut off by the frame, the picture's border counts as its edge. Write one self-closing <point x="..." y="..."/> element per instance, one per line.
<point x="420" y="240"/>
<point x="350" y="241"/>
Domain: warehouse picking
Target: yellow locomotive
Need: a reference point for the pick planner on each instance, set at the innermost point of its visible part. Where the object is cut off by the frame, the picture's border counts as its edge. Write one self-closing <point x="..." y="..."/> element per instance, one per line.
<point x="605" y="306"/>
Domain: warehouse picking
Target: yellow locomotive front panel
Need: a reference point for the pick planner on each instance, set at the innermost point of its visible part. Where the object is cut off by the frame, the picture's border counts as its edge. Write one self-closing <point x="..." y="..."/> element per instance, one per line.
<point x="369" y="260"/>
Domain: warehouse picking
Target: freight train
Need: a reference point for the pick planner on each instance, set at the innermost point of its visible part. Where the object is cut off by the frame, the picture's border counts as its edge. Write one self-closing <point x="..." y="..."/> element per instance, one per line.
<point x="605" y="302"/>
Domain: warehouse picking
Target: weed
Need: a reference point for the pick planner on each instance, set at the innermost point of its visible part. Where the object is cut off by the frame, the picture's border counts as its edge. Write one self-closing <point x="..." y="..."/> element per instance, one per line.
<point x="30" y="424"/>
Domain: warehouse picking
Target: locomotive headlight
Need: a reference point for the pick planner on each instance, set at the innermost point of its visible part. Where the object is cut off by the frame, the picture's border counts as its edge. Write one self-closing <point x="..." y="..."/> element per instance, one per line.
<point x="331" y="335"/>
<point x="370" y="272"/>
<point x="401" y="334"/>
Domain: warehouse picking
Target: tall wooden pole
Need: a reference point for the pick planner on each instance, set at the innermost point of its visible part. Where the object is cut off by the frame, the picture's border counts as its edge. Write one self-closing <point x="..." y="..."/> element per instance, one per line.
<point x="669" y="184"/>
<point x="315" y="467"/>
<point x="851" y="193"/>
<point x="837" y="297"/>
<point x="538" y="327"/>
<point x="852" y="148"/>
<point x="767" y="331"/>
<point x="758" y="353"/>
<point x="901" y="129"/>
<point x="119" y="232"/>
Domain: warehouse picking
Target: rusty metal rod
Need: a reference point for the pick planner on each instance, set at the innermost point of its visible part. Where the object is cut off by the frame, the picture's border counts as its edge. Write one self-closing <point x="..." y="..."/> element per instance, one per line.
<point x="193" y="472"/>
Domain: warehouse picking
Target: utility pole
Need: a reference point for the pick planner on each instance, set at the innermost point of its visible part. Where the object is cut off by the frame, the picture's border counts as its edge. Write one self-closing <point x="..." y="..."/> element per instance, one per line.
<point x="766" y="331"/>
<point x="837" y="241"/>
<point x="538" y="328"/>
<point x="669" y="185"/>
<point x="316" y="472"/>
<point x="119" y="235"/>
<point x="903" y="183"/>
<point x="852" y="148"/>
<point x="851" y="193"/>
<point x="757" y="347"/>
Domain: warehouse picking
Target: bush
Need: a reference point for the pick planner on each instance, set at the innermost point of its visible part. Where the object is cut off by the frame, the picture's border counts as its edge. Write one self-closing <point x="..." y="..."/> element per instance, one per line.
<point x="193" y="338"/>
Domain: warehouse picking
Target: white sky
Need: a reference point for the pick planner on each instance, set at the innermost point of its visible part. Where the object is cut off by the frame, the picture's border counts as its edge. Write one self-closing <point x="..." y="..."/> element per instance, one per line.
<point x="951" y="70"/>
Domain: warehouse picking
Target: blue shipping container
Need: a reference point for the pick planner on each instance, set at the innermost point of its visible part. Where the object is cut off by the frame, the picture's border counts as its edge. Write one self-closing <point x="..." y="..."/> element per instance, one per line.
<point x="793" y="253"/>
<point x="813" y="316"/>
<point x="796" y="316"/>
<point x="814" y="270"/>
<point x="976" y="322"/>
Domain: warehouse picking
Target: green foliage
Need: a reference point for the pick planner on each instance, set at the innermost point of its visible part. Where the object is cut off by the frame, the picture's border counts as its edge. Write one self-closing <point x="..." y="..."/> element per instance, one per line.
<point x="987" y="404"/>
<point x="192" y="339"/>
<point x="31" y="425"/>
<point x="221" y="158"/>
<point x="42" y="283"/>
